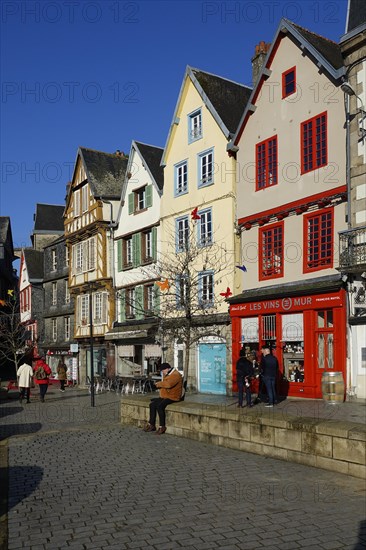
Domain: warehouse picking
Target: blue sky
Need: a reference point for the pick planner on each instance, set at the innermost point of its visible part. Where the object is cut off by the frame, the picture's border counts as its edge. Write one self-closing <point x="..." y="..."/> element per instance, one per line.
<point x="101" y="73"/>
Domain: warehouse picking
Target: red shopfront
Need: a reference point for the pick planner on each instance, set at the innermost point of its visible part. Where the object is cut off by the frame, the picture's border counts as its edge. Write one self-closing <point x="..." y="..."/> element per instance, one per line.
<point x="307" y="334"/>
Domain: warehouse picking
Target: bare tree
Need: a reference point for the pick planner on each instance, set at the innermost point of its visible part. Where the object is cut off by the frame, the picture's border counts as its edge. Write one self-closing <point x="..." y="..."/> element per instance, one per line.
<point x="14" y="339"/>
<point x="194" y="277"/>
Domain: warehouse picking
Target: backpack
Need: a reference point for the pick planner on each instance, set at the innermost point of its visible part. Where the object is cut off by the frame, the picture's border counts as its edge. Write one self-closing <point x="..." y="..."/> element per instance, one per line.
<point x="40" y="374"/>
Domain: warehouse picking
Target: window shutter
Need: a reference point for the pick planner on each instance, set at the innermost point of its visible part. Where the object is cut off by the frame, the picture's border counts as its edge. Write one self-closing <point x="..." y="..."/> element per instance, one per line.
<point x="84" y="253"/>
<point x="119" y="255"/>
<point x="154" y="236"/>
<point x="148" y="196"/>
<point x="136" y="249"/>
<point x="73" y="260"/>
<point x="139" y="302"/>
<point x="156" y="300"/>
<point x="104" y="308"/>
<point x="78" y="311"/>
<point x="131" y="198"/>
<point x="91" y="255"/>
<point x="77" y="203"/>
<point x="122" y="306"/>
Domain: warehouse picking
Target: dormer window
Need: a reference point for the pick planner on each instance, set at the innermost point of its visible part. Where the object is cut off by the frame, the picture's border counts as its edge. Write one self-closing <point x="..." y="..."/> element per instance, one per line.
<point x="289" y="82"/>
<point x="140" y="199"/>
<point x="194" y="126"/>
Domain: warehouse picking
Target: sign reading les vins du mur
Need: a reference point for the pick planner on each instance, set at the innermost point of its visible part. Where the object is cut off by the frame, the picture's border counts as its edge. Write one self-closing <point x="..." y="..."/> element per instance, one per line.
<point x="297" y="303"/>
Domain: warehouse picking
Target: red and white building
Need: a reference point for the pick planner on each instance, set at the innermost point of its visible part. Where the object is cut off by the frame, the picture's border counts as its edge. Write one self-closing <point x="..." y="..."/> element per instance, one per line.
<point x="291" y="204"/>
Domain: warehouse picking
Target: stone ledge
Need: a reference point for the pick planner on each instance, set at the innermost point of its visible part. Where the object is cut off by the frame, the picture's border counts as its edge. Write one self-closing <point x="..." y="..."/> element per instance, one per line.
<point x="327" y="444"/>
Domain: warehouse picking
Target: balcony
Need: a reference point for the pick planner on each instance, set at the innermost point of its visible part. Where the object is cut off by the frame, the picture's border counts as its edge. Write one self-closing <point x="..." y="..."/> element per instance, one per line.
<point x="352" y="250"/>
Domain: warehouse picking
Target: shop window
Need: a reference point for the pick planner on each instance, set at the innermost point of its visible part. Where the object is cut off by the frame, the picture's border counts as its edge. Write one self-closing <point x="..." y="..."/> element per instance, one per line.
<point x="269" y="330"/>
<point x="271" y="252"/>
<point x="325" y="318"/>
<point x="293" y="347"/>
<point x="319" y="237"/>
<point x="314" y="143"/>
<point x="250" y="330"/>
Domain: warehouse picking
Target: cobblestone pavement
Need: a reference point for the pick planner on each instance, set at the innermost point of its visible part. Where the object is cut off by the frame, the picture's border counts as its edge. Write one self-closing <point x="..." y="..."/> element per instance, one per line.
<point x="78" y="479"/>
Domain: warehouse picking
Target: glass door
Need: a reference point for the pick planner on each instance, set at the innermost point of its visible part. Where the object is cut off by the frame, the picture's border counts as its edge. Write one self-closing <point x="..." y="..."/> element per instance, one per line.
<point x="324" y="345"/>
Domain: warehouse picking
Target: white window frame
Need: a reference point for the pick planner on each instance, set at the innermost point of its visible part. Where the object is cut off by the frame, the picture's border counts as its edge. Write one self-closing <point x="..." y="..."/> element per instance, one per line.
<point x="67" y="293"/>
<point x="130" y="302"/>
<point x="129" y="251"/>
<point x="54" y="330"/>
<point x="84" y="256"/>
<point x="83" y="310"/>
<point x="182" y="234"/>
<point x="54" y="293"/>
<point x="206" y="292"/>
<point x="77" y="205"/>
<point x="53" y="259"/>
<point x="195" y="126"/>
<point x="206" y="174"/>
<point x="67" y="255"/>
<point x="140" y="199"/>
<point x="181" y="178"/>
<point x="205" y="228"/>
<point x="150" y="297"/>
<point x="84" y="198"/>
<point x="67" y="327"/>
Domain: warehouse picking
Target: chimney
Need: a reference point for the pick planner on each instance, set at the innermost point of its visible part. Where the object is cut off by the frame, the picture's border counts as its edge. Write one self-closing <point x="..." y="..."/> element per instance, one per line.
<point x="261" y="51"/>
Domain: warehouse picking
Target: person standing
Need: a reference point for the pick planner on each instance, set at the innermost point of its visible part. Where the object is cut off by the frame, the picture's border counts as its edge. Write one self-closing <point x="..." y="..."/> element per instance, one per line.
<point x="25" y="376"/>
<point x="170" y="388"/>
<point x="41" y="374"/>
<point x="269" y="365"/>
<point x="61" y="372"/>
<point x="244" y="373"/>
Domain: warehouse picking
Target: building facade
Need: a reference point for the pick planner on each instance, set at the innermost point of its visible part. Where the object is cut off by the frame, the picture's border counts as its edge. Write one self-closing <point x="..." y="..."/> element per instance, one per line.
<point x="290" y="149"/>
<point x="91" y="210"/>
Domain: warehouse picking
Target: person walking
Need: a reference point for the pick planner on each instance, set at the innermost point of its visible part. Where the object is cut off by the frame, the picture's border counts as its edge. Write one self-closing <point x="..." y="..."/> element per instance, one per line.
<point x="61" y="372"/>
<point x="41" y="374"/>
<point x="25" y="377"/>
<point x="170" y="388"/>
<point x="269" y="366"/>
<point x="244" y="373"/>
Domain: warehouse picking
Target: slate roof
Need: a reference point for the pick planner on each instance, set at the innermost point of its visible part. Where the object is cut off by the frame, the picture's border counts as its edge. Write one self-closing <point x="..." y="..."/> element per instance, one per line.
<point x="227" y="97"/>
<point x="4" y="228"/>
<point x="34" y="262"/>
<point x="327" y="48"/>
<point x="49" y="218"/>
<point x="356" y="15"/>
<point x="152" y="156"/>
<point x="105" y="172"/>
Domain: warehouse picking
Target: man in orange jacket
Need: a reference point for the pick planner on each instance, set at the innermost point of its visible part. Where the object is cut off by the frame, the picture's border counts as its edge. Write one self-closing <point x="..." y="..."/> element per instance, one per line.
<point x="170" y="391"/>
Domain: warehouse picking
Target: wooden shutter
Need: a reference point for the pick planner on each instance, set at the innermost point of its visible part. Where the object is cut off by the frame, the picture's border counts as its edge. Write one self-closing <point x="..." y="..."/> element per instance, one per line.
<point x="122" y="306"/>
<point x="139" y="302"/>
<point x="154" y="234"/>
<point x="131" y="204"/>
<point x="148" y="196"/>
<point x="136" y="249"/>
<point x="119" y="255"/>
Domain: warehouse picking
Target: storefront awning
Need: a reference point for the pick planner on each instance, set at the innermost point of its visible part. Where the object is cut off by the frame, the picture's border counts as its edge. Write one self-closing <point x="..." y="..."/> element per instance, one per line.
<point x="332" y="283"/>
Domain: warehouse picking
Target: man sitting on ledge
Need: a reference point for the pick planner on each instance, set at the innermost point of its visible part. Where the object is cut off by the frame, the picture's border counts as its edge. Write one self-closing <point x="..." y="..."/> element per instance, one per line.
<point x="170" y="391"/>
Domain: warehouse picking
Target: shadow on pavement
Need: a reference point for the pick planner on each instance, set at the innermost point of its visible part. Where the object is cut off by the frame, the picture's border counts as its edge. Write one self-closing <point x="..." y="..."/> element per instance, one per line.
<point x="361" y="544"/>
<point x="18" y="429"/>
<point x="24" y="480"/>
<point x="5" y="411"/>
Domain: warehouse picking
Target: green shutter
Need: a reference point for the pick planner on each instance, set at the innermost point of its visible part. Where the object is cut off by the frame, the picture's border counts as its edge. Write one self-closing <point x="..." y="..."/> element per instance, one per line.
<point x="119" y="255"/>
<point x="131" y="198"/>
<point x="148" y="196"/>
<point x="154" y="233"/>
<point x="136" y="249"/>
<point x="122" y="306"/>
<point x="156" y="300"/>
<point x="139" y="302"/>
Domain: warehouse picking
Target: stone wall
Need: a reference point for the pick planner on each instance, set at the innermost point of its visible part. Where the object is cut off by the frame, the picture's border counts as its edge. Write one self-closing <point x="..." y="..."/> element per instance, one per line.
<point x="328" y="444"/>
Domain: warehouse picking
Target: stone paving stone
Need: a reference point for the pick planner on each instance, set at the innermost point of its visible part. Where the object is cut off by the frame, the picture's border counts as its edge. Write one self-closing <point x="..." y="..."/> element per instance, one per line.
<point x="114" y="499"/>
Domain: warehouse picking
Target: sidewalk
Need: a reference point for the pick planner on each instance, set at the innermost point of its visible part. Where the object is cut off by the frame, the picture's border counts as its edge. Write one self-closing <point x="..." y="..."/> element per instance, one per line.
<point x="78" y="479"/>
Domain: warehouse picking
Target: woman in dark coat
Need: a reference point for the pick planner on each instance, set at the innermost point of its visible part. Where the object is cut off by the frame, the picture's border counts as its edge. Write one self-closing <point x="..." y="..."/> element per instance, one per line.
<point x="244" y="373"/>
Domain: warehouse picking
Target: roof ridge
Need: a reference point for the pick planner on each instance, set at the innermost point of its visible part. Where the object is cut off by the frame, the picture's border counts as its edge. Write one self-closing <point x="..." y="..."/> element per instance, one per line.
<point x="312" y="32"/>
<point x="148" y="144"/>
<point x="221" y="77"/>
<point x="101" y="152"/>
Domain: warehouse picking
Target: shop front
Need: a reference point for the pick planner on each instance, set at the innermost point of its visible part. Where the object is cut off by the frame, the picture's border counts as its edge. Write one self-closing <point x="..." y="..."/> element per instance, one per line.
<point x="304" y="325"/>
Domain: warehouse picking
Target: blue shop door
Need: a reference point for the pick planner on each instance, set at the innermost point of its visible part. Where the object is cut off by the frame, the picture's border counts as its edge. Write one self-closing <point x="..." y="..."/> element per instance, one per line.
<point x="212" y="368"/>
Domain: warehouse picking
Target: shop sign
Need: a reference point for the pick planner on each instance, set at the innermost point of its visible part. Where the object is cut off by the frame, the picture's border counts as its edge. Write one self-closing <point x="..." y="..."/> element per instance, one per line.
<point x="297" y="303"/>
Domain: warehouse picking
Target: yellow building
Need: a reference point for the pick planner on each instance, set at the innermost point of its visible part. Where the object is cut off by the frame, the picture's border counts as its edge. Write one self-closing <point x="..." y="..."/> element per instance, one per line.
<point x="198" y="229"/>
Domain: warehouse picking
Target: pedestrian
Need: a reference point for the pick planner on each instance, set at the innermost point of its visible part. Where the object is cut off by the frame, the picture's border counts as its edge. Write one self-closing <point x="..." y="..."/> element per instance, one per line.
<point x="244" y="374"/>
<point x="25" y="377"/>
<point x="269" y="366"/>
<point x="61" y="373"/>
<point x="171" y="387"/>
<point x="41" y="374"/>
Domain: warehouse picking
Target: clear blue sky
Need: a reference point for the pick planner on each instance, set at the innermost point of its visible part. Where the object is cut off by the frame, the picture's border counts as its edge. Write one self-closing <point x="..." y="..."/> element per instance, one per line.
<point x="101" y="73"/>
